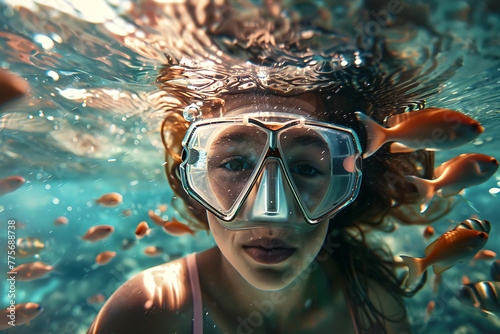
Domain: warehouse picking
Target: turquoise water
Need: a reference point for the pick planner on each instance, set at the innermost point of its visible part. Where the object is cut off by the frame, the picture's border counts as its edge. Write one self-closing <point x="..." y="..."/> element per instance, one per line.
<point x="90" y="125"/>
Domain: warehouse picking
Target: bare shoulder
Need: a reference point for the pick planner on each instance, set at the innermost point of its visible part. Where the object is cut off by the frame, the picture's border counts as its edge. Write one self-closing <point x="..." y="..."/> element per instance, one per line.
<point x="392" y="306"/>
<point x="157" y="299"/>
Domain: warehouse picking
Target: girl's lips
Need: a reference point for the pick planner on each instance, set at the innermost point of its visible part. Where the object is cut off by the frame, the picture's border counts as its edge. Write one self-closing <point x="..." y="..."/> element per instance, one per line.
<point x="269" y="251"/>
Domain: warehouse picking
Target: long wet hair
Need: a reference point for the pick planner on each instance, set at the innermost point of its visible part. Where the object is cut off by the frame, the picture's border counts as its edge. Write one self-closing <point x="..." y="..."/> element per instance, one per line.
<point x="383" y="188"/>
<point x="273" y="56"/>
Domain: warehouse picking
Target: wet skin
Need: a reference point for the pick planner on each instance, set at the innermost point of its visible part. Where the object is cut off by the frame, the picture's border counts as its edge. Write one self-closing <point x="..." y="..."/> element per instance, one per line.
<point x="256" y="280"/>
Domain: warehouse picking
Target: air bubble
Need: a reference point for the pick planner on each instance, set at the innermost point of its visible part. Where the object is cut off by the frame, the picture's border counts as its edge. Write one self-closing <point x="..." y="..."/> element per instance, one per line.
<point x="192" y="113"/>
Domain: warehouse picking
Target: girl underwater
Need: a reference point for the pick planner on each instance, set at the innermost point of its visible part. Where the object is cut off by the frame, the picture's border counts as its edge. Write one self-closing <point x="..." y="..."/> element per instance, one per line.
<point x="266" y="152"/>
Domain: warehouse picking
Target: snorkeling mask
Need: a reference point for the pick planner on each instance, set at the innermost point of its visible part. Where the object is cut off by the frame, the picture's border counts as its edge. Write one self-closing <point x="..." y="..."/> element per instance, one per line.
<point x="268" y="162"/>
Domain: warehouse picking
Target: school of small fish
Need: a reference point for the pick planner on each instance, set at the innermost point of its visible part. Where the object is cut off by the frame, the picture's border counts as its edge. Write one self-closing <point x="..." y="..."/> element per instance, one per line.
<point x="104" y="257"/>
<point x="110" y="200"/>
<point x="427" y="129"/>
<point x="12" y="86"/>
<point x="30" y="246"/>
<point x="484" y="295"/>
<point x="450" y="248"/>
<point x="10" y="184"/>
<point x="453" y="176"/>
<point x="142" y="230"/>
<point x="19" y="313"/>
<point x="61" y="221"/>
<point x="442" y="129"/>
<point x="99" y="232"/>
<point x="31" y="271"/>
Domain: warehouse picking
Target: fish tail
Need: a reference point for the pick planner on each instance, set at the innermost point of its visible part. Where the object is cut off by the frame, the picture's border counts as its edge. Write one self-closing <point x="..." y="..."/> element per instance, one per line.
<point x="416" y="267"/>
<point x="425" y="189"/>
<point x="376" y="135"/>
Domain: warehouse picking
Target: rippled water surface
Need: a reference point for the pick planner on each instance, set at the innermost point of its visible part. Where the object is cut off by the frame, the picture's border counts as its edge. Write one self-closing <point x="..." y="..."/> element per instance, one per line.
<point x="90" y="125"/>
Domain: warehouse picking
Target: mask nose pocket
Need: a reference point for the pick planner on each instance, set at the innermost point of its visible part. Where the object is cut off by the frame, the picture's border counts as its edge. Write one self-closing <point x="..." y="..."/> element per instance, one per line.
<point x="270" y="199"/>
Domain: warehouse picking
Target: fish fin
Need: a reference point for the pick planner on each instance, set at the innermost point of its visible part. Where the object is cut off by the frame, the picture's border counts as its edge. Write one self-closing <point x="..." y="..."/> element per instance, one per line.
<point x="425" y="189"/>
<point x="470" y="204"/>
<point x="449" y="191"/>
<point x="400" y="148"/>
<point x="416" y="267"/>
<point x="438" y="269"/>
<point x="461" y="194"/>
<point x="376" y="136"/>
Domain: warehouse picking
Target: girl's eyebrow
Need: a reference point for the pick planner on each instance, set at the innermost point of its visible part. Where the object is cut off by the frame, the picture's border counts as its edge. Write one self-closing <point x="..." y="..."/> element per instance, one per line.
<point x="306" y="140"/>
<point x="232" y="137"/>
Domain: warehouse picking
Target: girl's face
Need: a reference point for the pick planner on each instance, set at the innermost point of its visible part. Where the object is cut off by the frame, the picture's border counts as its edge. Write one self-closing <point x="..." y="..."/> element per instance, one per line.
<point x="269" y="256"/>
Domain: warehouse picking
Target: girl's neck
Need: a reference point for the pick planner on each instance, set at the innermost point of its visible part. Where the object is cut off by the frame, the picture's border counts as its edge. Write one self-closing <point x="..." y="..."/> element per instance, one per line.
<point x="307" y="292"/>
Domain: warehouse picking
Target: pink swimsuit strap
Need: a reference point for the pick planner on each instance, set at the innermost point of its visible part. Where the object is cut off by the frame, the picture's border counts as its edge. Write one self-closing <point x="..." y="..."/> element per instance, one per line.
<point x="194" y="279"/>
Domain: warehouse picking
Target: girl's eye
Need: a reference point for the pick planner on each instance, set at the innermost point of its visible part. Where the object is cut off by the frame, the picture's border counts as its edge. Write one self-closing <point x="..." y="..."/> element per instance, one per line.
<point x="305" y="170"/>
<point x="236" y="163"/>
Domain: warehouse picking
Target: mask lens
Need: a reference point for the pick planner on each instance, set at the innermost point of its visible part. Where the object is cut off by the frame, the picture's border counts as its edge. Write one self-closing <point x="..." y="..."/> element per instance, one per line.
<point x="320" y="163"/>
<point x="227" y="160"/>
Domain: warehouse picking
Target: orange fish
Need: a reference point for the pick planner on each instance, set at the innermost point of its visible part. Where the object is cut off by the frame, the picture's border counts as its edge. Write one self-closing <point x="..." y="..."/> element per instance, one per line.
<point x="110" y="199"/>
<point x="461" y="172"/>
<point x="153" y="251"/>
<point x="31" y="271"/>
<point x="29" y="246"/>
<point x="11" y="86"/>
<point x="177" y="228"/>
<point x="142" y="230"/>
<point x="127" y="212"/>
<point x="432" y="128"/>
<point x="98" y="232"/>
<point x="155" y="218"/>
<point x="10" y="183"/>
<point x="104" y="257"/>
<point x="428" y="232"/>
<point x="98" y="298"/>
<point x="465" y="280"/>
<point x="452" y="247"/>
<point x="61" y="221"/>
<point x="481" y="295"/>
<point x="475" y="223"/>
<point x="430" y="307"/>
<point x="19" y="314"/>
<point x="162" y="207"/>
<point x="485" y="254"/>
